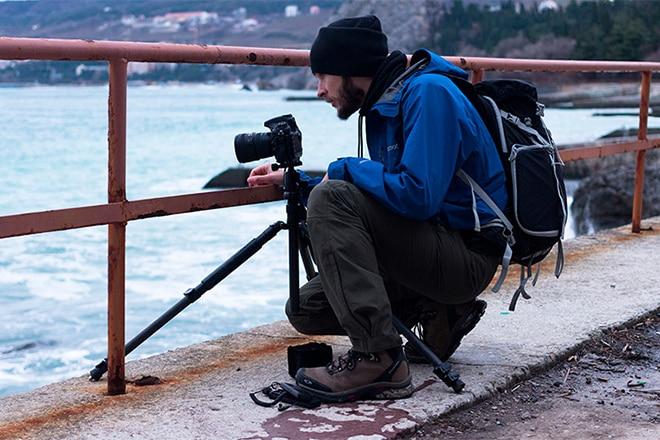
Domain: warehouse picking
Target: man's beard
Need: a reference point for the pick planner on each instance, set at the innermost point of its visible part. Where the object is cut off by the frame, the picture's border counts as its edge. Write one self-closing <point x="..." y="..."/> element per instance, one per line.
<point x="351" y="98"/>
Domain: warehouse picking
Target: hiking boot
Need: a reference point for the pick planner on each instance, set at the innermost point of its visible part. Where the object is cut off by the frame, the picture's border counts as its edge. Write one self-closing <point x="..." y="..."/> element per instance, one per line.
<point x="356" y="375"/>
<point x="443" y="326"/>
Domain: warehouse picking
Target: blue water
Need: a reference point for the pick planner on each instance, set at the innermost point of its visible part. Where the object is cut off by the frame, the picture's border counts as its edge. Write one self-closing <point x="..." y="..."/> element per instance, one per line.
<point x="54" y="155"/>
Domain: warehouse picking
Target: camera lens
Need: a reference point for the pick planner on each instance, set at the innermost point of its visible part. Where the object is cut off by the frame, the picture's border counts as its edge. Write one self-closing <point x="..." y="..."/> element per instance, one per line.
<point x="252" y="146"/>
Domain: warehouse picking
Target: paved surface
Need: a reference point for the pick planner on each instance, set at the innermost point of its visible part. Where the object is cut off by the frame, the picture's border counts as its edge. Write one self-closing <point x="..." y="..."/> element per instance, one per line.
<point x="609" y="279"/>
<point x="608" y="389"/>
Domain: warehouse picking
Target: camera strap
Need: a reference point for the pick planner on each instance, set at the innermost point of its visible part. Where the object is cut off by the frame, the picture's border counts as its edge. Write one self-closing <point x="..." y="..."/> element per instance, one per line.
<point x="286" y="395"/>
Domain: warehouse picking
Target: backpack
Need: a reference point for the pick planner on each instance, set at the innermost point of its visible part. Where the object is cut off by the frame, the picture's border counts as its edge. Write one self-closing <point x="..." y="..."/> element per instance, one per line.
<point x="535" y="217"/>
<point x="536" y="214"/>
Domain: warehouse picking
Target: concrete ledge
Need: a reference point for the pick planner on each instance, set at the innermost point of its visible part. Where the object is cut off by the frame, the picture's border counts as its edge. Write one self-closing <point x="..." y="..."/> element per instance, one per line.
<point x="609" y="279"/>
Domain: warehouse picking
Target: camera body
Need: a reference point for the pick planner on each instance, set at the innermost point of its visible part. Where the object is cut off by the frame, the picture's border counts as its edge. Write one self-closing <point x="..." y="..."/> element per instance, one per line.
<point x="284" y="142"/>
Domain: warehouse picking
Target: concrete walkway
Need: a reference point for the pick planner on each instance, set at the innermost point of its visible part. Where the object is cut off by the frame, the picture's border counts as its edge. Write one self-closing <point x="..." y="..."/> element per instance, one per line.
<point x="609" y="279"/>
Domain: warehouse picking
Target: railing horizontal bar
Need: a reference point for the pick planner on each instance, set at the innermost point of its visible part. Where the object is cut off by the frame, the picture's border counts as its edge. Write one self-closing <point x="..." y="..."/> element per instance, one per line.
<point x="71" y="218"/>
<point x="82" y="50"/>
<point x="529" y="65"/>
<point x="588" y="152"/>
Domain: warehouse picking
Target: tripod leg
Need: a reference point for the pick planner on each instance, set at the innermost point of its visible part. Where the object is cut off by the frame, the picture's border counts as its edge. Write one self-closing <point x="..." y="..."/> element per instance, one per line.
<point x="440" y="368"/>
<point x="192" y="295"/>
<point x="294" y="281"/>
<point x="306" y="253"/>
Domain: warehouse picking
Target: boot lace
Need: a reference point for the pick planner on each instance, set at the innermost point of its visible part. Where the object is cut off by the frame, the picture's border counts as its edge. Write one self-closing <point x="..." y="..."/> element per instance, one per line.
<point x="348" y="361"/>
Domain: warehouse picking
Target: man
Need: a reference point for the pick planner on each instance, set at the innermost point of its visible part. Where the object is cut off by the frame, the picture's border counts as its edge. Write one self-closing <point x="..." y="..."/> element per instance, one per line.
<point x="394" y="234"/>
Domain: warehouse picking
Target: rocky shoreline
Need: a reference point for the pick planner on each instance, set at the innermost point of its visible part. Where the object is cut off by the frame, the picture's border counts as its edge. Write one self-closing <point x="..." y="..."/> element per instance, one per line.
<point x="604" y="199"/>
<point x="598" y="95"/>
<point x="577" y="95"/>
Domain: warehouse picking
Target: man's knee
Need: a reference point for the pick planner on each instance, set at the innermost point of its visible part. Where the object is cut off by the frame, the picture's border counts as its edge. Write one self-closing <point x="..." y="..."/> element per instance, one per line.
<point x="300" y="321"/>
<point x="329" y="195"/>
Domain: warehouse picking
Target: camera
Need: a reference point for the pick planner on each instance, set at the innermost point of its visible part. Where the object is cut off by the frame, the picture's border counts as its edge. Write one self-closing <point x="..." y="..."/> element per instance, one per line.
<point x="284" y="141"/>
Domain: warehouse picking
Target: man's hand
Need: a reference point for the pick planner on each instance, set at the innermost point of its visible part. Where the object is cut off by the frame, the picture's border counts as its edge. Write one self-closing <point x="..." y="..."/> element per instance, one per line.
<point x="264" y="175"/>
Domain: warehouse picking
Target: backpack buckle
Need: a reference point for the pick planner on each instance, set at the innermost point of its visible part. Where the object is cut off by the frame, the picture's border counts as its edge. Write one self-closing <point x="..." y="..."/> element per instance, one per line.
<point x="508" y="236"/>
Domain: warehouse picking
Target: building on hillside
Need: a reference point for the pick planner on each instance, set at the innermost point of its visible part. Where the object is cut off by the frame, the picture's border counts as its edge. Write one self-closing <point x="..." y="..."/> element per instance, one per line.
<point x="82" y="68"/>
<point x="135" y="68"/>
<point x="196" y="18"/>
<point x="136" y="22"/>
<point x="547" y="5"/>
<point x="240" y="14"/>
<point x="291" y="11"/>
<point x="139" y="68"/>
<point x="164" y="26"/>
<point x="249" y="24"/>
<point x="496" y="6"/>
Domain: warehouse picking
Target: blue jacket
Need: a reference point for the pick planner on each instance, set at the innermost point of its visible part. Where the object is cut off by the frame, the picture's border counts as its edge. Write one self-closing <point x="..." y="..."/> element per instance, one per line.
<point x="419" y="134"/>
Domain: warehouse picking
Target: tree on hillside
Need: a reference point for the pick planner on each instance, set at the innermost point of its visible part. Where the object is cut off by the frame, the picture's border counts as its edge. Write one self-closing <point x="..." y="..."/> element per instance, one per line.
<point x="614" y="30"/>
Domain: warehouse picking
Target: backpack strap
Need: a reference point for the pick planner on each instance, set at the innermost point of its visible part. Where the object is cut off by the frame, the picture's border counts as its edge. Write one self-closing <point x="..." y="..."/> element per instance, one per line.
<point x="525" y="274"/>
<point x="515" y="120"/>
<point x="465" y="177"/>
<point x="506" y="261"/>
<point x="508" y="227"/>
<point x="500" y="127"/>
<point x="538" y="272"/>
<point x="559" y="265"/>
<point x="475" y="213"/>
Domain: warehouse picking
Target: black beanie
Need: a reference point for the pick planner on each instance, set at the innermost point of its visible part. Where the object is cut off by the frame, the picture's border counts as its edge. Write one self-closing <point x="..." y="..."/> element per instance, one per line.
<point x="349" y="47"/>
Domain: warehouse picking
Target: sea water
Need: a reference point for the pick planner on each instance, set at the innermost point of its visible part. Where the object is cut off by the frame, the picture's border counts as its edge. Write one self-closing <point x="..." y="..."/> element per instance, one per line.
<point x="53" y="154"/>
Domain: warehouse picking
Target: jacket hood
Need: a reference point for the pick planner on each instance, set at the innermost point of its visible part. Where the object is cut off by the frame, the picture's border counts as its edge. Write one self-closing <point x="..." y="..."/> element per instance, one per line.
<point x="388" y="103"/>
<point x="437" y="64"/>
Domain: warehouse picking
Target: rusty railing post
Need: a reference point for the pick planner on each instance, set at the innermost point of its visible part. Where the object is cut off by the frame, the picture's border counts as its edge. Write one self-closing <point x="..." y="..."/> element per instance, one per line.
<point x="638" y="194"/>
<point x="116" y="231"/>
<point x="477" y="76"/>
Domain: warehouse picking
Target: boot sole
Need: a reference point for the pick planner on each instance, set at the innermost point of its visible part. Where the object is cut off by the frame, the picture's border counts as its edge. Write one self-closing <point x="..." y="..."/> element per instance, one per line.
<point x="374" y="391"/>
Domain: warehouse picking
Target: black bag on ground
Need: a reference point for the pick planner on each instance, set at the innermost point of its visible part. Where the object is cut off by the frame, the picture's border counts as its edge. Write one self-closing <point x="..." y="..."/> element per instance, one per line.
<point x="309" y="355"/>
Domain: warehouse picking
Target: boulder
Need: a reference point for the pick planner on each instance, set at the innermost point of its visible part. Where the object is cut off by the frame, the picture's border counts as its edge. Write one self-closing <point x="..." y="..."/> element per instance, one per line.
<point x="604" y="200"/>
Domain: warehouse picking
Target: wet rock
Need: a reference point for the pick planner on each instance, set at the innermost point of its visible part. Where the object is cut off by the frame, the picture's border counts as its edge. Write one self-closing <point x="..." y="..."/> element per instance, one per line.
<point x="604" y="200"/>
<point x="299" y="79"/>
<point x="265" y="85"/>
<point x="145" y="381"/>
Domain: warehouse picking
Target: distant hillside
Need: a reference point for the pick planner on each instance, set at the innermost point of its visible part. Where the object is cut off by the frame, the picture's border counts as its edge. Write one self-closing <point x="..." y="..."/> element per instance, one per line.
<point x="573" y="29"/>
<point x="584" y="29"/>
<point x="226" y="22"/>
<point x="259" y="23"/>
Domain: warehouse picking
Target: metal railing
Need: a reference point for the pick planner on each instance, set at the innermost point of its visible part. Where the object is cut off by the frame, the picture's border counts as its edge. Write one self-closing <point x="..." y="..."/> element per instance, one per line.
<point x="118" y="211"/>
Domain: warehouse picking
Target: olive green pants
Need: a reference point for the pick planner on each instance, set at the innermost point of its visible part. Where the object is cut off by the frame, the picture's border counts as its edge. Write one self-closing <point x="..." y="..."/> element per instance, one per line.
<point x="373" y="262"/>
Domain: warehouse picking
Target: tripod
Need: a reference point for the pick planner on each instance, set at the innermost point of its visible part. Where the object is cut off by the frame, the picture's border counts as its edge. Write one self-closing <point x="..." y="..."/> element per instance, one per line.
<point x="299" y="243"/>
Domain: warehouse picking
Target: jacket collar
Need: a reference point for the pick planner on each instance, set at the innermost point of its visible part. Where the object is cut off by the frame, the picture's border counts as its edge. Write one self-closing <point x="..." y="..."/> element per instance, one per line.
<point x="388" y="103"/>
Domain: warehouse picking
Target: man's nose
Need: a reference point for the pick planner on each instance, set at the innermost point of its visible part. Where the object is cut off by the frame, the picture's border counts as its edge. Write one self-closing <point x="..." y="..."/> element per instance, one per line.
<point x="320" y="90"/>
